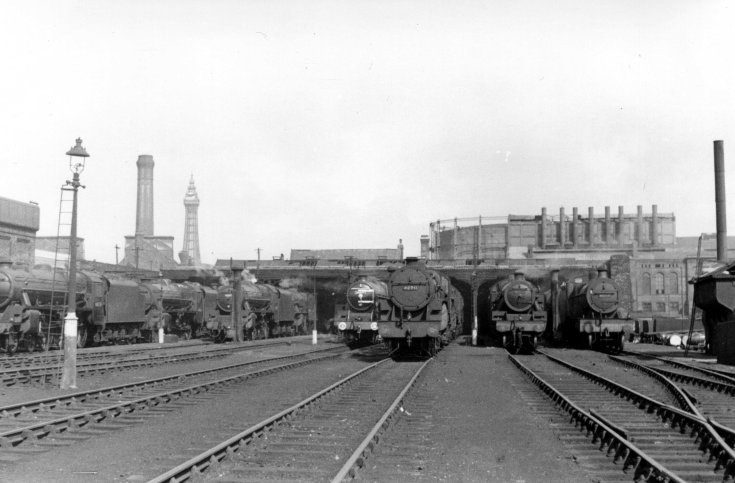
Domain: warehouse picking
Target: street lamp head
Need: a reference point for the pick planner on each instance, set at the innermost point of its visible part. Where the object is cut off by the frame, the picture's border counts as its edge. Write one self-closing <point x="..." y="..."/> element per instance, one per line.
<point x="78" y="152"/>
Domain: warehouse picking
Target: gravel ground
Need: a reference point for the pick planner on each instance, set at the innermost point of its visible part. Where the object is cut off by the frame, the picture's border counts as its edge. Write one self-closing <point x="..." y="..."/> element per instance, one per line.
<point x="482" y="430"/>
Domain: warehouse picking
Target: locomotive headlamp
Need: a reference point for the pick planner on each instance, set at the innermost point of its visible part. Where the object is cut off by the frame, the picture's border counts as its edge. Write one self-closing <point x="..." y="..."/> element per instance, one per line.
<point x="342" y="326"/>
<point x="374" y="326"/>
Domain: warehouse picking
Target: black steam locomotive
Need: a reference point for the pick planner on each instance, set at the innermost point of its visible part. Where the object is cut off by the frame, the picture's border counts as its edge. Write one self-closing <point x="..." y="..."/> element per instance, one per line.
<point x="519" y="313"/>
<point x="367" y="303"/>
<point x="590" y="314"/>
<point x="425" y="311"/>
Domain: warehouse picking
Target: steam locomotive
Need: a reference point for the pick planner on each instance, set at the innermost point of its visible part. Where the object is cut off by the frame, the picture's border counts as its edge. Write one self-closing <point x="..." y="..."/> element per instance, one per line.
<point x="33" y="303"/>
<point x="424" y="310"/>
<point x="367" y="303"/>
<point x="266" y="311"/>
<point x="590" y="314"/>
<point x="518" y="312"/>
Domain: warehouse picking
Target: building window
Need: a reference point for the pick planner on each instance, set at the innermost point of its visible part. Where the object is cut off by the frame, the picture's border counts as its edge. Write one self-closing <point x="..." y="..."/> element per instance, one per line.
<point x="646" y="306"/>
<point x="673" y="283"/>
<point x="658" y="283"/>
<point x="646" y="284"/>
<point x="674" y="307"/>
<point x="660" y="306"/>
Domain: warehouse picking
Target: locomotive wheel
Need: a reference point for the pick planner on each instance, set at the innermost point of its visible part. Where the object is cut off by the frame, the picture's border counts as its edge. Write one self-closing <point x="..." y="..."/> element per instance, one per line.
<point x="435" y="346"/>
<point x="44" y="343"/>
<point x="220" y="336"/>
<point x="82" y="337"/>
<point x="29" y="343"/>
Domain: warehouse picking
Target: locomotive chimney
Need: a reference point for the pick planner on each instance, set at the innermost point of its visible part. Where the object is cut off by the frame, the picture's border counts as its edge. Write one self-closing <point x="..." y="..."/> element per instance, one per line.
<point x="602" y="272"/>
<point x="518" y="275"/>
<point x="720" y="202"/>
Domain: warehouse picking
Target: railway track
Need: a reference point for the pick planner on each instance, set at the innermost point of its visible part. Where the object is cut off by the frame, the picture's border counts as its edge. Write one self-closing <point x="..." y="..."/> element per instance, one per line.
<point x="95" y="364"/>
<point x="36" y="426"/>
<point x="326" y="436"/>
<point x="712" y="394"/>
<point x="643" y="438"/>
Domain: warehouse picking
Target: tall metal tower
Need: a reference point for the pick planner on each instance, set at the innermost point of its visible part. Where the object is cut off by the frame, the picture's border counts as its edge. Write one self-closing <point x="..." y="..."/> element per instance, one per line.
<point x="191" y="227"/>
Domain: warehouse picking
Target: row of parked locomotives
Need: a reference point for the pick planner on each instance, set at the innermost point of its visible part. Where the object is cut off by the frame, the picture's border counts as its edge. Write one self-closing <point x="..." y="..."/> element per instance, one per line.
<point x="575" y="312"/>
<point x="265" y="311"/>
<point x="33" y="305"/>
<point x="423" y="310"/>
<point x="366" y="303"/>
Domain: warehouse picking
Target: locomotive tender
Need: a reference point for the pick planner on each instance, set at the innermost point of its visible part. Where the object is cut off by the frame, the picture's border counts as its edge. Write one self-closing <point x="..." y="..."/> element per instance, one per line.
<point x="425" y="311"/>
<point x="367" y="303"/>
<point x="518" y="312"/>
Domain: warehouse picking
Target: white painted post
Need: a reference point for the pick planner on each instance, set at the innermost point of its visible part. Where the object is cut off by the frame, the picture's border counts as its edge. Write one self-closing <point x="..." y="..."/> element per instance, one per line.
<point x="69" y="373"/>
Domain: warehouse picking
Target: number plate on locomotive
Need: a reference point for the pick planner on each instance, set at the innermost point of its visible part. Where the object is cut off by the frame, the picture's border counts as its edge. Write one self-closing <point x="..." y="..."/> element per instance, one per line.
<point x="410" y="288"/>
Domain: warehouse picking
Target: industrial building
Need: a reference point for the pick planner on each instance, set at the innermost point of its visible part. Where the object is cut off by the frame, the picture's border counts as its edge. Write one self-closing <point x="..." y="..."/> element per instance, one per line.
<point x="19" y="223"/>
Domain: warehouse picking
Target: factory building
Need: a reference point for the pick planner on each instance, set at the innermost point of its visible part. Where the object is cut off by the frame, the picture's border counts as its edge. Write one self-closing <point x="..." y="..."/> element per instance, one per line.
<point x="19" y="223"/>
<point x="656" y="264"/>
<point x="549" y="236"/>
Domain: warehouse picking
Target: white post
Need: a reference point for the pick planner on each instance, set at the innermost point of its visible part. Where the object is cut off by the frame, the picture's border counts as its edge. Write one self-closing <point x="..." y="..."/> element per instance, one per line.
<point x="160" y="335"/>
<point x="69" y="374"/>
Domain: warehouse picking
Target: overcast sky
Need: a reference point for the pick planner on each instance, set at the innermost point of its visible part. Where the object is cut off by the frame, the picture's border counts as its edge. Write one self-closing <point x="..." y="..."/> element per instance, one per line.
<point x="352" y="124"/>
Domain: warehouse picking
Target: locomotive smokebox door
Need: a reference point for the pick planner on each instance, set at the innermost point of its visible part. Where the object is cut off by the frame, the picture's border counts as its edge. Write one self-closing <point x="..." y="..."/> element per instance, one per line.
<point x="410" y="289"/>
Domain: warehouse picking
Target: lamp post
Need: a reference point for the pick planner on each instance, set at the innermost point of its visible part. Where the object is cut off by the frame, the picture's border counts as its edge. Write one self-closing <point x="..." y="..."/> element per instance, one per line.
<point x="77" y="155"/>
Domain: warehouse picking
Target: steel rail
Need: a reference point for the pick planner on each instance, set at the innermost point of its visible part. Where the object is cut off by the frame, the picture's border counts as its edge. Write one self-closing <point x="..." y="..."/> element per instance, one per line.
<point x="633" y="458"/>
<point x="357" y="459"/>
<point x="710" y="440"/>
<point x="228" y="448"/>
<point x="42" y="429"/>
<point x="727" y="433"/>
<point x="10" y="377"/>
<point x="727" y="378"/>
<point x="45" y="359"/>
<point x="684" y="401"/>
<point x="12" y="410"/>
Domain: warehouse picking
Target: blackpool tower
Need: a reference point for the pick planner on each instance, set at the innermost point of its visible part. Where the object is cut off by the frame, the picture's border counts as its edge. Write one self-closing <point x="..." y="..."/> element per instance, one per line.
<point x="190" y="253"/>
